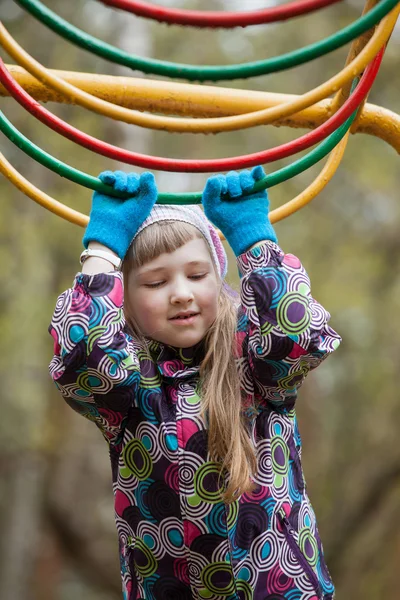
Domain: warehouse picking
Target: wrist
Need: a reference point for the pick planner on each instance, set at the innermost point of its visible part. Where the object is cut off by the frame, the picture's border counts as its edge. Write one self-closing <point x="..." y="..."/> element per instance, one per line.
<point x="94" y="265"/>
<point x="98" y="246"/>
<point x="258" y="244"/>
<point x="104" y="254"/>
<point x="247" y="235"/>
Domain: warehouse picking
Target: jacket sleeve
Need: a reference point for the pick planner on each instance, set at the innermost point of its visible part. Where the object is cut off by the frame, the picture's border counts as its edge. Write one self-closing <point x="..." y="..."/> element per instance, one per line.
<point x="283" y="333"/>
<point x="95" y="364"/>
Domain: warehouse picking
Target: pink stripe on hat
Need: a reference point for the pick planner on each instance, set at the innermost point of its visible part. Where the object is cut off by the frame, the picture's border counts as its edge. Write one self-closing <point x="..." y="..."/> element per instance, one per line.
<point x="193" y="215"/>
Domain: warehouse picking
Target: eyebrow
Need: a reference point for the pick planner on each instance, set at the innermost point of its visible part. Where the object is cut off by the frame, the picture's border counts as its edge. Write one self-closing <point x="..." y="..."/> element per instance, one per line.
<point x="157" y="269"/>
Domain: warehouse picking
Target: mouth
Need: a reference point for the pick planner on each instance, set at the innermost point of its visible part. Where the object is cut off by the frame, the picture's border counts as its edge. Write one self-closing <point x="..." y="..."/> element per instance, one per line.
<point x="183" y="320"/>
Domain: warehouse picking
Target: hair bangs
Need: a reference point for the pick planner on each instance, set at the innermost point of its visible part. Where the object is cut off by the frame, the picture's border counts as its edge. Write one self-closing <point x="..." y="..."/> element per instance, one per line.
<point x="159" y="238"/>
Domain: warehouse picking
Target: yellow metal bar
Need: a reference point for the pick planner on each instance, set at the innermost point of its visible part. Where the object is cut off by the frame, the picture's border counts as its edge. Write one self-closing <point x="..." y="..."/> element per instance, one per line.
<point x="200" y="101"/>
<point x="204" y="125"/>
<point x="357" y="45"/>
<point x="168" y="97"/>
<point x="27" y="188"/>
<point x="381" y="122"/>
<point x="336" y="155"/>
<point x="315" y="187"/>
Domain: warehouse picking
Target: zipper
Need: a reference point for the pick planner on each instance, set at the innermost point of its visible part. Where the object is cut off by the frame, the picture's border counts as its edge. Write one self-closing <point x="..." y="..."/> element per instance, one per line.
<point x="293" y="545"/>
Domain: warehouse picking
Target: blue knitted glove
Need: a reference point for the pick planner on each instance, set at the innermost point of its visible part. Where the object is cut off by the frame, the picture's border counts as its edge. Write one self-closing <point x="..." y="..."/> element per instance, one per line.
<point x="115" y="221"/>
<point x="243" y="220"/>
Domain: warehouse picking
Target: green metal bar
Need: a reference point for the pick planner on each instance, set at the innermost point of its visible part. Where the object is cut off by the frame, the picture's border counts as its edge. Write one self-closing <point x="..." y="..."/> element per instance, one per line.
<point x="211" y="73"/>
<point x="94" y="183"/>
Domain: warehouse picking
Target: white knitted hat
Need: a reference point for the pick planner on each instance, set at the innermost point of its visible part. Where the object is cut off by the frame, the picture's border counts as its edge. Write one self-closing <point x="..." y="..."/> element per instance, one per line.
<point x="192" y="214"/>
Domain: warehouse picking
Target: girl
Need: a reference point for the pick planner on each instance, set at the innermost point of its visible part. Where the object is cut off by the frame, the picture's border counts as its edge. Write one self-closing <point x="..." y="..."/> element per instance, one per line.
<point x="194" y="390"/>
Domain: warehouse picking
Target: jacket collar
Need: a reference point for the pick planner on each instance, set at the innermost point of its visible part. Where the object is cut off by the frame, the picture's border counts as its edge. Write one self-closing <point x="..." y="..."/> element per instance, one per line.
<point x="177" y="363"/>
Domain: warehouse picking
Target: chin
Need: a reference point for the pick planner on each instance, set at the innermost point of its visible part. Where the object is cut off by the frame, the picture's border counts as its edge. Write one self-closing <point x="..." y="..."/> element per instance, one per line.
<point x="184" y="341"/>
<point x="186" y="345"/>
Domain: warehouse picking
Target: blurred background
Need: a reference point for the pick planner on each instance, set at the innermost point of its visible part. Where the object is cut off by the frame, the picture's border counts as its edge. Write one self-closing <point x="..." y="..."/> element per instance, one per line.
<point x="58" y="539"/>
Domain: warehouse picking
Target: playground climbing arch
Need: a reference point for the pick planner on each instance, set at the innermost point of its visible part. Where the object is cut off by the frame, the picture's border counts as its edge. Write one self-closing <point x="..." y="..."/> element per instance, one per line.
<point x="333" y="109"/>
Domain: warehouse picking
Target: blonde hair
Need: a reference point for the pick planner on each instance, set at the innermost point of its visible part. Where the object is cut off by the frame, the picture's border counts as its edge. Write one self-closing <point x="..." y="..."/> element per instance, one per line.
<point x="229" y="442"/>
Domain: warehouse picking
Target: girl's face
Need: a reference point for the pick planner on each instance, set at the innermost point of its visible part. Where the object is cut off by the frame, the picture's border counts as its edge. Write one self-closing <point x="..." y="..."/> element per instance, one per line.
<point x="183" y="281"/>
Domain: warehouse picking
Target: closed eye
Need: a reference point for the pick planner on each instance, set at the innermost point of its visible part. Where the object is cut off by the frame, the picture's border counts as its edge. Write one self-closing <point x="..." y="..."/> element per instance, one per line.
<point x="158" y="284"/>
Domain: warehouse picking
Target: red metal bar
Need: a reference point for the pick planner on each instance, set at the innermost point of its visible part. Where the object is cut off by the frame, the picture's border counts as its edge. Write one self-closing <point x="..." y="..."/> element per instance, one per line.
<point x="194" y="166"/>
<point x="197" y="18"/>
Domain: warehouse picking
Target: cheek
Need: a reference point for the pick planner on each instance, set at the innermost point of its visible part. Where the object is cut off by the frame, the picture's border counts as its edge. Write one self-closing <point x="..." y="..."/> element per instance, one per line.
<point x="209" y="301"/>
<point x="146" y="307"/>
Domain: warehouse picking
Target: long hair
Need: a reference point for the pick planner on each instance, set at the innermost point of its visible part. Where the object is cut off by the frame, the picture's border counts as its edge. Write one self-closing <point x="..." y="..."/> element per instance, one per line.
<point x="229" y="441"/>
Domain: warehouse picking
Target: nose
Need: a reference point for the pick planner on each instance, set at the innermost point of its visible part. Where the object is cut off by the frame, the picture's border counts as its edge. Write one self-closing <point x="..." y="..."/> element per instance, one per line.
<point x="182" y="292"/>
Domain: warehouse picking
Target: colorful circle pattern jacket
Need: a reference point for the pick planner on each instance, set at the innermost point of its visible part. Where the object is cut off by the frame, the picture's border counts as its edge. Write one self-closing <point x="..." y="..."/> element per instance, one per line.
<point x="177" y="538"/>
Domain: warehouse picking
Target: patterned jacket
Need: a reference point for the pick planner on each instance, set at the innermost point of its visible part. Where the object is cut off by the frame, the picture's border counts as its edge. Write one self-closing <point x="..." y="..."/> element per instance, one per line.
<point x="177" y="539"/>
